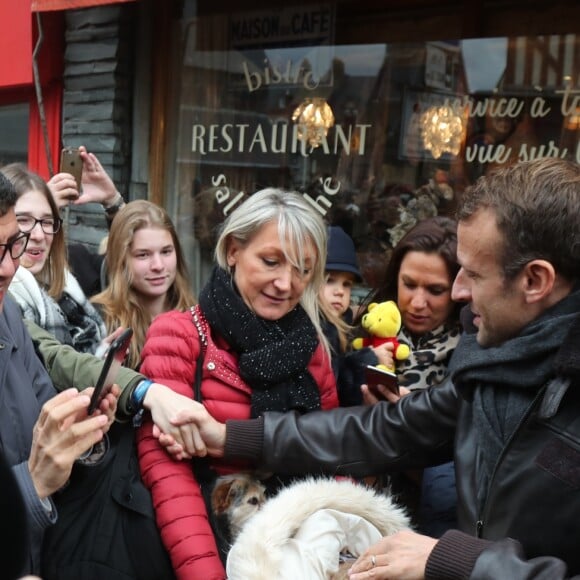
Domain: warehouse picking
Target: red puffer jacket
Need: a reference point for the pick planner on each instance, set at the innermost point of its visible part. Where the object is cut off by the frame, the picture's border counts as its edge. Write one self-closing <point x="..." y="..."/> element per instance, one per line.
<point x="169" y="357"/>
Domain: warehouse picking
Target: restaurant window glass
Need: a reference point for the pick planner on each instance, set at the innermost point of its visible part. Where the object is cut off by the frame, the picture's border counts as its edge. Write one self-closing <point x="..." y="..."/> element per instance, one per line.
<point x="375" y="136"/>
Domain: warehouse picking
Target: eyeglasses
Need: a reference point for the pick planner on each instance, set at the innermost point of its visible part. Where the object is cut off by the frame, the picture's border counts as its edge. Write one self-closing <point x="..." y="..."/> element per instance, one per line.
<point x="27" y="223"/>
<point x="16" y="247"/>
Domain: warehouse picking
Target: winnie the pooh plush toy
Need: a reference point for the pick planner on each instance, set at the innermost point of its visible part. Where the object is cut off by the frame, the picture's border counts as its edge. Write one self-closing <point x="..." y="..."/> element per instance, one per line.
<point x="382" y="321"/>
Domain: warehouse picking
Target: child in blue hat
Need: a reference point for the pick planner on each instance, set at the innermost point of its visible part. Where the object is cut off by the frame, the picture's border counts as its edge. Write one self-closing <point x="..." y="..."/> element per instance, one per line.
<point x="342" y="272"/>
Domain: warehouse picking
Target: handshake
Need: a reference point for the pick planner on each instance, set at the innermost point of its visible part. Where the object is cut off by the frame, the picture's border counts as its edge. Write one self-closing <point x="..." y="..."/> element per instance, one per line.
<point x="190" y="431"/>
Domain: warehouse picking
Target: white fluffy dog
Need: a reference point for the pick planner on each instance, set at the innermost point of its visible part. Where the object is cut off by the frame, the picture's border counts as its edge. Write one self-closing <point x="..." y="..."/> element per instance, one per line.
<point x="301" y="532"/>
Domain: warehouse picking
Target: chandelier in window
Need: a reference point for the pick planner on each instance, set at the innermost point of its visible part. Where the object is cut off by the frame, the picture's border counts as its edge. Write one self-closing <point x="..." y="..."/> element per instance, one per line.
<point x="572" y="121"/>
<point x="442" y="130"/>
<point x="314" y="118"/>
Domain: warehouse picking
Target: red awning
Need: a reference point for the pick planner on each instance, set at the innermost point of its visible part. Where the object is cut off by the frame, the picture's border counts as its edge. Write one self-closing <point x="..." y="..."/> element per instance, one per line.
<point x="15" y="44"/>
<point x="48" y="5"/>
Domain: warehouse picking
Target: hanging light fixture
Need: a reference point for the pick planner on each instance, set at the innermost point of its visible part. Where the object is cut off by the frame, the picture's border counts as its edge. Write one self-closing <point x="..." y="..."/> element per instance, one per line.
<point x="572" y="121"/>
<point x="442" y="130"/>
<point x="314" y="118"/>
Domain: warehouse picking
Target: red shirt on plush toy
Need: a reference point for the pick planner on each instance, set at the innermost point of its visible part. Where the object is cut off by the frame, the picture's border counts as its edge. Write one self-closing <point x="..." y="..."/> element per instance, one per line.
<point x="383" y="321"/>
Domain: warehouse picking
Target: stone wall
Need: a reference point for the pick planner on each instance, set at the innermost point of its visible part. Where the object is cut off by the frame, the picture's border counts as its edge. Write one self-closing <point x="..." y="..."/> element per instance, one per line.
<point x="98" y="84"/>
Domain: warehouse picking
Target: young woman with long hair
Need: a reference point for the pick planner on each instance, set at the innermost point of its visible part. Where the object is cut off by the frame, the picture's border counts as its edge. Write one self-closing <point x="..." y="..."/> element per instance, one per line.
<point x="146" y="272"/>
<point x="44" y="288"/>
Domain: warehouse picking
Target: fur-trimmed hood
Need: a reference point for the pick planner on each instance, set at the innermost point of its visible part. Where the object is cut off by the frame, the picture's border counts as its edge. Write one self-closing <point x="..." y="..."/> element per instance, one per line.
<point x="300" y="532"/>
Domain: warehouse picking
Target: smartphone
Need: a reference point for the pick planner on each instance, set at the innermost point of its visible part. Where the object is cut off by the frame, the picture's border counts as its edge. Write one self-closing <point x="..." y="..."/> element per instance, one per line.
<point x="115" y="357"/>
<point x="71" y="162"/>
<point x="376" y="376"/>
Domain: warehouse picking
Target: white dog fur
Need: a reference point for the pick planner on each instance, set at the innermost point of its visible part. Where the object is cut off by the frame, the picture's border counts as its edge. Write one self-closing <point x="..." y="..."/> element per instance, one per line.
<point x="262" y="548"/>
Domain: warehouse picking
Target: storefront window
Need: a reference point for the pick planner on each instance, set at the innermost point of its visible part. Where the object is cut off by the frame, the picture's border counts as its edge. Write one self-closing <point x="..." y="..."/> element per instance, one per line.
<point x="13" y="133"/>
<point x="411" y="125"/>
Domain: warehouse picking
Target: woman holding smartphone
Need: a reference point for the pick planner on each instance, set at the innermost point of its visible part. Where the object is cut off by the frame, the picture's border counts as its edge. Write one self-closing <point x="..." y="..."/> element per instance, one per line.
<point x="419" y="278"/>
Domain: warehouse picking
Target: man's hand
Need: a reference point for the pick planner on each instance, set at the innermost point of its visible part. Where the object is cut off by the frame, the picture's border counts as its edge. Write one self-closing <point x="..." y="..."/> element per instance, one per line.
<point x="180" y="441"/>
<point x="212" y="432"/>
<point x="62" y="433"/>
<point x="403" y="556"/>
<point x="183" y="426"/>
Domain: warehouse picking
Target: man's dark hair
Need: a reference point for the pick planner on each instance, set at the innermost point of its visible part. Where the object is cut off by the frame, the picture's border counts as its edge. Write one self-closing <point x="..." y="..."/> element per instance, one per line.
<point x="536" y="206"/>
<point x="7" y="195"/>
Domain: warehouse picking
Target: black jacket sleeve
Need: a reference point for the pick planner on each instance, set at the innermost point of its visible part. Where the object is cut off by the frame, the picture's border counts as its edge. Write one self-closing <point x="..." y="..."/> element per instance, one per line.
<point x="506" y="559"/>
<point x="415" y="432"/>
<point x="458" y="556"/>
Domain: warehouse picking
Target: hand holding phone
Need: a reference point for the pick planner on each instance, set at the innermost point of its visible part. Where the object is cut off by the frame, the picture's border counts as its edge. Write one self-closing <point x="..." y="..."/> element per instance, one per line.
<point x="72" y="162"/>
<point x="113" y="362"/>
<point x="376" y="376"/>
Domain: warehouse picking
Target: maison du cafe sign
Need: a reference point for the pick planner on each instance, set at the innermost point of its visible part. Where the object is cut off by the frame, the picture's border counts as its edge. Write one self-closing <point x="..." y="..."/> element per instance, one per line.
<point x="311" y="24"/>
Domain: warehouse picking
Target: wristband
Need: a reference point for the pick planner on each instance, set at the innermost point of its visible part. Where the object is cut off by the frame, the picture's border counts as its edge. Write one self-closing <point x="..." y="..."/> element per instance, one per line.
<point x="139" y="393"/>
<point x="117" y="204"/>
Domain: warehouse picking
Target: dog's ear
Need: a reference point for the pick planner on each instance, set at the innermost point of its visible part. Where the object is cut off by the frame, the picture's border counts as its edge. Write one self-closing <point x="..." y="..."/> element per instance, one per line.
<point x="225" y="490"/>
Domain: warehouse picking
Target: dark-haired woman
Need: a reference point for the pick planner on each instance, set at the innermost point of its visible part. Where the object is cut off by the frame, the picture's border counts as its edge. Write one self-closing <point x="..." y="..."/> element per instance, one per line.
<point x="419" y="279"/>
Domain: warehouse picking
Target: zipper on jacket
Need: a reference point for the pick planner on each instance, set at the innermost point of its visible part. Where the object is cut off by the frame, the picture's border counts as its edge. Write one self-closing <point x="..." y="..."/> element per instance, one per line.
<point x="523" y="420"/>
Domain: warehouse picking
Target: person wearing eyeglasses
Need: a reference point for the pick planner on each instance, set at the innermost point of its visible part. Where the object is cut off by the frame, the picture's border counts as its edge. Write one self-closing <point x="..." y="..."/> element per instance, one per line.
<point x="42" y="433"/>
<point x="44" y="287"/>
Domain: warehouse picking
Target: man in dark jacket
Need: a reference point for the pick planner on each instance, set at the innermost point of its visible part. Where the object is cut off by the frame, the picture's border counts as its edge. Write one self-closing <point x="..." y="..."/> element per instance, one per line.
<point x="509" y="416"/>
<point x="41" y="433"/>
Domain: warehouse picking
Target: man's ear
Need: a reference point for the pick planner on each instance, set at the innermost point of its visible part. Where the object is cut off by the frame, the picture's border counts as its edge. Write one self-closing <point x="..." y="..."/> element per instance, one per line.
<point x="539" y="278"/>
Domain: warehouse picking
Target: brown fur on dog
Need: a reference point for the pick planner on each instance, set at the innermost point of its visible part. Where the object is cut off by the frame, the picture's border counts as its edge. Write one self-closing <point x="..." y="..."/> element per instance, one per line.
<point x="237" y="497"/>
<point x="342" y="573"/>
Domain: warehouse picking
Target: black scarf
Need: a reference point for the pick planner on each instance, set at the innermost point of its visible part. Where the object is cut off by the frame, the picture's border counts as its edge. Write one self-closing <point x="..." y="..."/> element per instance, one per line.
<point x="273" y="355"/>
<point x="503" y="381"/>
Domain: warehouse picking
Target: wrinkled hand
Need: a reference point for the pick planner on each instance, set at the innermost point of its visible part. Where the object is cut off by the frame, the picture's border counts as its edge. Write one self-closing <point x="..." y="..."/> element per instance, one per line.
<point x="180" y="441"/>
<point x="62" y="433"/>
<point x="402" y="556"/>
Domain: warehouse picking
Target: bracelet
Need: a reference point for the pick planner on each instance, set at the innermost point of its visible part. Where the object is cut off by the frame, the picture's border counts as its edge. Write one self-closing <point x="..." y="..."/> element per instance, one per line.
<point x="117" y="204"/>
<point x="139" y="393"/>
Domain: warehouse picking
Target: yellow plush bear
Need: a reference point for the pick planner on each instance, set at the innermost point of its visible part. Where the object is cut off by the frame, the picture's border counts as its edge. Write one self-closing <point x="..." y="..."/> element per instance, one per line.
<point x="383" y="321"/>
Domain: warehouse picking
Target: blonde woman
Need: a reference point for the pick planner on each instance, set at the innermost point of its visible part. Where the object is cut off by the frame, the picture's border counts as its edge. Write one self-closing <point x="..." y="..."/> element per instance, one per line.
<point x="146" y="272"/>
<point x="257" y="327"/>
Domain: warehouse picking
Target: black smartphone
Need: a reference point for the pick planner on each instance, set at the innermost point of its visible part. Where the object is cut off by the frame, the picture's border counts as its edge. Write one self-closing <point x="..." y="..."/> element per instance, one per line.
<point x="115" y="357"/>
<point x="376" y="376"/>
<point x="72" y="162"/>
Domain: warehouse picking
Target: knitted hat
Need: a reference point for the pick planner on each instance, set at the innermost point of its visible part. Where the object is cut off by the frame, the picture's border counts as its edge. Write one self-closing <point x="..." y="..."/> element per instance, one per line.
<point x="341" y="255"/>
